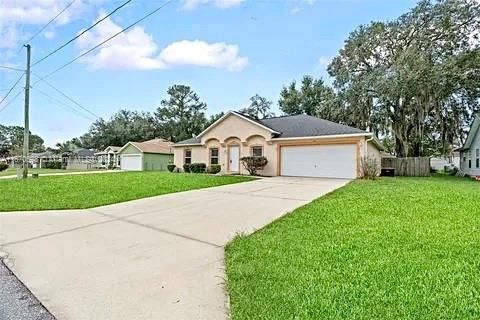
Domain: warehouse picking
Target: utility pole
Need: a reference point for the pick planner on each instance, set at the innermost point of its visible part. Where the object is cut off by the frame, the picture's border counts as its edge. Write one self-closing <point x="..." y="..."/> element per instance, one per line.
<point x="26" y="132"/>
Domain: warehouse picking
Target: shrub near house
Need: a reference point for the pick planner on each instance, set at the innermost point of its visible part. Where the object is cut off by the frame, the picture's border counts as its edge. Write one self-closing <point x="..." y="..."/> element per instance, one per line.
<point x="198" y="167"/>
<point x="215" y="168"/>
<point x="253" y="164"/>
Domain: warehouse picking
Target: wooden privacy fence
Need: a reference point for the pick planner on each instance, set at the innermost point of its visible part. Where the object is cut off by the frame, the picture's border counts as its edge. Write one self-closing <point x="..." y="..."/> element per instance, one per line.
<point x="408" y="167"/>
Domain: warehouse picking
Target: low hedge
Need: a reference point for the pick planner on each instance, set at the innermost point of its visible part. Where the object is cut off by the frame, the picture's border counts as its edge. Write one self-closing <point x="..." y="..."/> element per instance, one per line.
<point x="3" y="167"/>
<point x="215" y="168"/>
<point x="186" y="167"/>
<point x="171" y="167"/>
<point x="52" y="165"/>
<point x="198" y="167"/>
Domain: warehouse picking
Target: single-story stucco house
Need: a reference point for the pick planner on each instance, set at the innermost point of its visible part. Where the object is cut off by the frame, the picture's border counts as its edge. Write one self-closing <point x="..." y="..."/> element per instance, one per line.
<point x="470" y="152"/>
<point x="150" y="155"/>
<point x="108" y="157"/>
<point x="299" y="145"/>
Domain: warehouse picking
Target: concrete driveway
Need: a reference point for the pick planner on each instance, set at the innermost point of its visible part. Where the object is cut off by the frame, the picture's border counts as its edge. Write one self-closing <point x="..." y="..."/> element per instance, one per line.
<point x="155" y="258"/>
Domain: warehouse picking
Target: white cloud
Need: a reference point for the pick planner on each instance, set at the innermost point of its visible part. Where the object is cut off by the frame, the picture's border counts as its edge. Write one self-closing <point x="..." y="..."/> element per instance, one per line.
<point x="137" y="50"/>
<point x="49" y="34"/>
<point x="295" y="10"/>
<point x="133" y="49"/>
<point x="9" y="36"/>
<point x="222" y="4"/>
<point x="39" y="12"/>
<point x="299" y="5"/>
<point x="323" y="62"/>
<point x="200" y="53"/>
<point x="18" y="18"/>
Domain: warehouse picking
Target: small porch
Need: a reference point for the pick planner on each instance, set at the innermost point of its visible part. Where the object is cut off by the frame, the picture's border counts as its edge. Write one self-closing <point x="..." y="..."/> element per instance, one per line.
<point x="108" y="159"/>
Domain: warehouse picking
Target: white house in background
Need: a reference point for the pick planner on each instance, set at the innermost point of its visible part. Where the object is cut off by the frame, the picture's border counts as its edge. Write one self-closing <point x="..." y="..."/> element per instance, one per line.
<point x="470" y="152"/>
<point x="108" y="156"/>
<point x="440" y="163"/>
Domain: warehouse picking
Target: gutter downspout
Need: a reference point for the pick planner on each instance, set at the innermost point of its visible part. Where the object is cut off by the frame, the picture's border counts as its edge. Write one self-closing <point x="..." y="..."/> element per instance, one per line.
<point x="365" y="151"/>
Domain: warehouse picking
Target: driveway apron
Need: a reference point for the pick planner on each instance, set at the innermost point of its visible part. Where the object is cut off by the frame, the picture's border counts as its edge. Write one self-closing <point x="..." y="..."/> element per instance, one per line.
<point x="154" y="258"/>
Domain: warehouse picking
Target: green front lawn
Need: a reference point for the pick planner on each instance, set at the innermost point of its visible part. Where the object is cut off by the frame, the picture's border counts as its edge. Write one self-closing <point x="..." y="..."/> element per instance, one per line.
<point x="92" y="190"/>
<point x="399" y="248"/>
<point x="13" y="171"/>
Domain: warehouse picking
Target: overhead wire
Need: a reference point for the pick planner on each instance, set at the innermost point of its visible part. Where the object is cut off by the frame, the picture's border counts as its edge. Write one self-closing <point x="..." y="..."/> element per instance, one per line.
<point x="48" y="23"/>
<point x="108" y="39"/>
<point x="67" y="97"/>
<point x="61" y="103"/>
<point x="81" y="33"/>
<point x="11" y="68"/>
<point x="11" y="89"/>
<point x="10" y="102"/>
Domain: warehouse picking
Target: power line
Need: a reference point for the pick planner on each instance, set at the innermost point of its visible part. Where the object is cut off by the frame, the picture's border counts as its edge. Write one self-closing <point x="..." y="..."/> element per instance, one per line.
<point x="105" y="41"/>
<point x="10" y="102"/>
<point x="50" y="22"/>
<point x="11" y="89"/>
<point x="81" y="33"/>
<point x="66" y="96"/>
<point x="60" y="103"/>
<point x="11" y="68"/>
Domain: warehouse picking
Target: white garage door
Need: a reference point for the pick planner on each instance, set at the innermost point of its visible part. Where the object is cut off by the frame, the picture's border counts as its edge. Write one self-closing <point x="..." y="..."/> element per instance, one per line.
<point x="333" y="161"/>
<point x="131" y="162"/>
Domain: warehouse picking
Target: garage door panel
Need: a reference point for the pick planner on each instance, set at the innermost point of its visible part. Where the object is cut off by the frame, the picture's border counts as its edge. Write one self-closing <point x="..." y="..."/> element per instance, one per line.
<point x="332" y="161"/>
<point x="131" y="162"/>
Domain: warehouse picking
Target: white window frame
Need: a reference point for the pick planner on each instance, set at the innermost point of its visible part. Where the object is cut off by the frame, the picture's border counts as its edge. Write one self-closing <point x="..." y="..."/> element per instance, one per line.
<point x="477" y="158"/>
<point x="211" y="157"/>
<point x="185" y="156"/>
<point x="252" y="152"/>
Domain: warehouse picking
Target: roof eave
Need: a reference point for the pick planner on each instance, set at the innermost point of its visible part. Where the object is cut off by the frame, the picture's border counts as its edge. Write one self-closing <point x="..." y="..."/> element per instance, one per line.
<point x="238" y="115"/>
<point x="377" y="142"/>
<point x="186" y="144"/>
<point x="472" y="133"/>
<point x="130" y="143"/>
<point x="334" y="136"/>
<point x="164" y="153"/>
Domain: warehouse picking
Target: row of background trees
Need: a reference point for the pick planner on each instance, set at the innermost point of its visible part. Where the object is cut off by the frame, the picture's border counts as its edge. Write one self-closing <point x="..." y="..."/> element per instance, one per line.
<point x="413" y="81"/>
<point x="180" y="116"/>
<point x="11" y="141"/>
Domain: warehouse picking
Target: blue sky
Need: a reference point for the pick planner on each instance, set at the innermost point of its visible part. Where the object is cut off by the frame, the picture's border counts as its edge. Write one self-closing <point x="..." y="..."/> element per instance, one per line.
<point x="226" y="50"/>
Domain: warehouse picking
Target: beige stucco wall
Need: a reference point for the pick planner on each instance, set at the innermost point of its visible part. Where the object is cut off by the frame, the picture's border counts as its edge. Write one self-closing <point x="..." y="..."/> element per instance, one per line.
<point x="236" y="127"/>
<point x="374" y="152"/>
<point x="199" y="154"/>
<point x="234" y="130"/>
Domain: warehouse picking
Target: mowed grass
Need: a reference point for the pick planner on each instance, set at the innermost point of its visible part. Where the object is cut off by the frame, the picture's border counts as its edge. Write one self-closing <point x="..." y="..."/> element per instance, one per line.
<point x="91" y="190"/>
<point x="13" y="171"/>
<point x="399" y="248"/>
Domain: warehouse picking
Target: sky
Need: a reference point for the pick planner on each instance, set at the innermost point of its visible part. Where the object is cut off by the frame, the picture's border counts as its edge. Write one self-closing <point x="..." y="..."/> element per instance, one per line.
<point x="226" y="50"/>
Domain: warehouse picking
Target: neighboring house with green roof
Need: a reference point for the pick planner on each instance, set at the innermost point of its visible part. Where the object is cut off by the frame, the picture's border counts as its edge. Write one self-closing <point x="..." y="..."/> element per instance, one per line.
<point x="152" y="155"/>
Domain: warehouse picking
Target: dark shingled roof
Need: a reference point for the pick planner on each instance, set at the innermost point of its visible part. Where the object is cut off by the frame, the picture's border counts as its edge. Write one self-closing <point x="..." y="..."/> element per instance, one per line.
<point x="296" y="126"/>
<point x="189" y="141"/>
<point x="307" y="126"/>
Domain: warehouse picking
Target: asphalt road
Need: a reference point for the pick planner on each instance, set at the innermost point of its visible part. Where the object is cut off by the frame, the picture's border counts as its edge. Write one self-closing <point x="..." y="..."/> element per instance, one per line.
<point x="16" y="301"/>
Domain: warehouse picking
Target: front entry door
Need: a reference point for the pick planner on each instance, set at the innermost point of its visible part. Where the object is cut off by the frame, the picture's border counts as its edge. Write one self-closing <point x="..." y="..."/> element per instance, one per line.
<point x="234" y="159"/>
